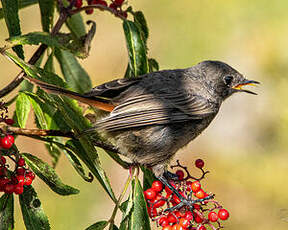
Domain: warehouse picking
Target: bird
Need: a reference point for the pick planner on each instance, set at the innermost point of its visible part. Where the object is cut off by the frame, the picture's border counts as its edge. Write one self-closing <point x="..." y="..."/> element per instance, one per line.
<point x="150" y="117"/>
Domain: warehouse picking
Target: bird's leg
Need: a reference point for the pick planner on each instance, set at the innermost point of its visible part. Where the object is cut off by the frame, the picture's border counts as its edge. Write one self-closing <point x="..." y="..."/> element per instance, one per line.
<point x="183" y="201"/>
<point x="170" y="176"/>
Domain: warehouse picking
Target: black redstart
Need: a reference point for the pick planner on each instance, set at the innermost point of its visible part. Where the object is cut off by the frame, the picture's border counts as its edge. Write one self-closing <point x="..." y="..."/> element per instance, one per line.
<point x="152" y="116"/>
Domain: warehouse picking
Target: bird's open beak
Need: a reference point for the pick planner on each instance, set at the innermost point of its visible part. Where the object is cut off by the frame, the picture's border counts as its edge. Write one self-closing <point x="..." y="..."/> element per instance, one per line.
<point x="244" y="83"/>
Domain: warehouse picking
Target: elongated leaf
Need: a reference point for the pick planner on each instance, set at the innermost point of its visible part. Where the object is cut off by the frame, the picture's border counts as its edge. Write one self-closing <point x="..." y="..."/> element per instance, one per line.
<point x="139" y="218"/>
<point x="48" y="175"/>
<point x="47" y="11"/>
<point x="140" y="21"/>
<point x="38" y="111"/>
<point x="126" y="208"/>
<point x="22" y="109"/>
<point x="54" y="152"/>
<point x="32" y="212"/>
<point x="98" y="226"/>
<point x="49" y="65"/>
<point x="76" y="77"/>
<point x="73" y="116"/>
<point x="148" y="177"/>
<point x="79" y="47"/>
<point x="153" y="65"/>
<point x="22" y="4"/>
<point x="7" y="212"/>
<point x="10" y="11"/>
<point x="136" y="48"/>
<point x="76" y="25"/>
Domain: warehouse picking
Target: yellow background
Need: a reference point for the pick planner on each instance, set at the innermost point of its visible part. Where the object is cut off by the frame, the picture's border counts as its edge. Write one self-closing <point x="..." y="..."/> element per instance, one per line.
<point x="245" y="147"/>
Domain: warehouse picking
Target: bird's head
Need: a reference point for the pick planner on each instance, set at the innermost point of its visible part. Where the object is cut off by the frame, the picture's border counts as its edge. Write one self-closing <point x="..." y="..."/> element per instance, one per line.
<point x="224" y="79"/>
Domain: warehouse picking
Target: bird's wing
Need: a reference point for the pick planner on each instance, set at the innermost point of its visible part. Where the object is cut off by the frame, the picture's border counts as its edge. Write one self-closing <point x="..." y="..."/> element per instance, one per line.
<point x="113" y="88"/>
<point x="157" y="109"/>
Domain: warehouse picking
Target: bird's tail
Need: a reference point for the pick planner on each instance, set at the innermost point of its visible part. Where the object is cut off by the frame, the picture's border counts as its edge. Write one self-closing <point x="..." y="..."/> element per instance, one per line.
<point x="100" y="103"/>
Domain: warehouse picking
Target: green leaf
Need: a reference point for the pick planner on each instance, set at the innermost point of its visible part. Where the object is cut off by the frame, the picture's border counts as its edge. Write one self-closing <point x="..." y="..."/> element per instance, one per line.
<point x="73" y="117"/>
<point x="148" y="177"/>
<point x="126" y="207"/>
<point x="79" y="47"/>
<point x="7" y="212"/>
<point x="54" y="152"/>
<point x="22" y="109"/>
<point x="38" y="110"/>
<point x="47" y="12"/>
<point x="10" y="11"/>
<point x="139" y="218"/>
<point x="75" y="76"/>
<point x="48" y="175"/>
<point x="49" y="65"/>
<point x="153" y="65"/>
<point x="22" y="4"/>
<point x="136" y="49"/>
<point x="77" y="165"/>
<point x="76" y="25"/>
<point x="32" y="212"/>
<point x="98" y="226"/>
<point x="140" y="21"/>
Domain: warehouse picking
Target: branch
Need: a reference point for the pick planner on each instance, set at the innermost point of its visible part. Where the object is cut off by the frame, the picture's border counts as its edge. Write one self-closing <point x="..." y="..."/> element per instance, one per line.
<point x="98" y="6"/>
<point x="38" y="53"/>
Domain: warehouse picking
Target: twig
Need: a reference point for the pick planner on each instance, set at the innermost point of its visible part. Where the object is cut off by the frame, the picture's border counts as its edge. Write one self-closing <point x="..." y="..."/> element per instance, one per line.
<point x="98" y="6"/>
<point x="38" y="53"/>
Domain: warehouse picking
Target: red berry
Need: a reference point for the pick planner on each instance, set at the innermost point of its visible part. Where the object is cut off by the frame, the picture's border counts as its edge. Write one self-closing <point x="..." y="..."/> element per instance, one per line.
<point x="3" y="181"/>
<point x="20" y="171"/>
<point x="18" y="189"/>
<point x="184" y="223"/>
<point x="171" y="218"/>
<point x="9" y="121"/>
<point x="195" y="186"/>
<point x="178" y="227"/>
<point x="157" y="186"/>
<point x="188" y="215"/>
<point x="212" y="216"/>
<point x="176" y="199"/>
<point x="200" y="194"/>
<point x="7" y="142"/>
<point x="150" y="194"/>
<point x="28" y="180"/>
<point x="20" y="179"/>
<point x="168" y="227"/>
<point x="151" y="212"/>
<point x="2" y="160"/>
<point x="118" y="2"/>
<point x="158" y="201"/>
<point x="199" y="163"/>
<point x="180" y="174"/>
<point x="9" y="188"/>
<point x="168" y="191"/>
<point x="30" y="174"/>
<point x="3" y="171"/>
<point x="113" y="6"/>
<point x="21" y="162"/>
<point x="90" y="11"/>
<point x="223" y="214"/>
<point x="188" y="185"/>
<point x="197" y="206"/>
<point x="78" y="3"/>
<point x="202" y="228"/>
<point x="102" y="3"/>
<point x="198" y="219"/>
<point x="163" y="221"/>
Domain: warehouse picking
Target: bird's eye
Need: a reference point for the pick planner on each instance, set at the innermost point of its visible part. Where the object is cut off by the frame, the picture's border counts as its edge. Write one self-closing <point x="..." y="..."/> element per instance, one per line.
<point x="228" y="80"/>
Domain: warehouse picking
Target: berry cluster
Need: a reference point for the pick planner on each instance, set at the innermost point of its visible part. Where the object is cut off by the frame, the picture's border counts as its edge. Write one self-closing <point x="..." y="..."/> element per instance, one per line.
<point x="11" y="181"/>
<point x="161" y="200"/>
<point x="115" y="5"/>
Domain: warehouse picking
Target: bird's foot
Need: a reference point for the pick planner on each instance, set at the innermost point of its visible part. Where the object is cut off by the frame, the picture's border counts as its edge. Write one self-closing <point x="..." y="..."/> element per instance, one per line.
<point x="188" y="203"/>
<point x="170" y="176"/>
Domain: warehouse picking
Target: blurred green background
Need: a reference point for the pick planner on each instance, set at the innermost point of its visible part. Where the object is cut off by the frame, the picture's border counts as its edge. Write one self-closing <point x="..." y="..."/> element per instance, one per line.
<point x="245" y="147"/>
